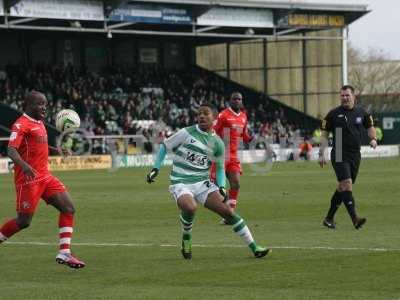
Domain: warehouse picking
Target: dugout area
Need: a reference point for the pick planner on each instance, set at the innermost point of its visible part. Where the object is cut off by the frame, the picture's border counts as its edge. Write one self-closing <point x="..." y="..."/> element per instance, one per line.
<point x="292" y="51"/>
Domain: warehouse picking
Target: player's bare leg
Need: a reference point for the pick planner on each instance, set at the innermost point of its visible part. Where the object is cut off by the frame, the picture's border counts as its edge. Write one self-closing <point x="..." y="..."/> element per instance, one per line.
<point x="188" y="208"/>
<point x="215" y="203"/>
<point x="233" y="193"/>
<point x="63" y="203"/>
<point x="11" y="227"/>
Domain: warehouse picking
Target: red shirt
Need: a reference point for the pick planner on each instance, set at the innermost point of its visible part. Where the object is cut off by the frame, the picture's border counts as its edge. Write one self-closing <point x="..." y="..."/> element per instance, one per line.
<point x="29" y="137"/>
<point x="235" y="125"/>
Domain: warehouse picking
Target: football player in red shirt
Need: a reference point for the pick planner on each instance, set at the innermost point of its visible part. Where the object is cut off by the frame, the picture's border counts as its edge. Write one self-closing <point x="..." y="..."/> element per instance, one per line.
<point x="28" y="148"/>
<point x="231" y="126"/>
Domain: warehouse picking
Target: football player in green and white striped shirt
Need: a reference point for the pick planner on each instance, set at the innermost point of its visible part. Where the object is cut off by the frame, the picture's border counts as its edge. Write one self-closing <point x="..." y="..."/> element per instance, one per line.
<point x="194" y="149"/>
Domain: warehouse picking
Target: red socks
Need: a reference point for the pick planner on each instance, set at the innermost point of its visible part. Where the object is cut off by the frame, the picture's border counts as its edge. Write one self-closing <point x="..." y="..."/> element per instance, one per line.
<point x="8" y="229"/>
<point x="233" y="195"/>
<point x="66" y="224"/>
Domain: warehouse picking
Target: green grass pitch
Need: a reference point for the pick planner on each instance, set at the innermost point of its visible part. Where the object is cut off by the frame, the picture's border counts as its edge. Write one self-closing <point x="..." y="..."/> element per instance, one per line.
<point x="128" y="233"/>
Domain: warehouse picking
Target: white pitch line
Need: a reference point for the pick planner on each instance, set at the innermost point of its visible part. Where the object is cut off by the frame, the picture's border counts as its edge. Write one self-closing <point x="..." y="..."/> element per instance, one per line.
<point x="209" y="246"/>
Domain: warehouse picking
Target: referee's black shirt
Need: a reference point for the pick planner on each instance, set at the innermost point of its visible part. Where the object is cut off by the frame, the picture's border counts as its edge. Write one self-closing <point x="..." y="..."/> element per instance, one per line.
<point x="350" y="122"/>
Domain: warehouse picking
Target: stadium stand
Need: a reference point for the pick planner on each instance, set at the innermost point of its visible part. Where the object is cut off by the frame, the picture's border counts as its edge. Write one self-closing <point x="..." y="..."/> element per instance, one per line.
<point x="111" y="101"/>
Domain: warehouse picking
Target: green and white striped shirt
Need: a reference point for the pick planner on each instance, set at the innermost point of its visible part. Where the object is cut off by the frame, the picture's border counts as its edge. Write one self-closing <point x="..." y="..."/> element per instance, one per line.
<point x="194" y="150"/>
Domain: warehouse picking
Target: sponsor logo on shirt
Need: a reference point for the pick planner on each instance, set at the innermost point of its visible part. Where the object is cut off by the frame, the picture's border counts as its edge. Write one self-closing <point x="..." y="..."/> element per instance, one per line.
<point x="237" y="127"/>
<point x="196" y="159"/>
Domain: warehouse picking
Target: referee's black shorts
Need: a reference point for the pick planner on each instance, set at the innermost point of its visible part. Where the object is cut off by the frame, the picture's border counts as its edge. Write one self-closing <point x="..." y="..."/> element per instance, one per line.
<point x="348" y="167"/>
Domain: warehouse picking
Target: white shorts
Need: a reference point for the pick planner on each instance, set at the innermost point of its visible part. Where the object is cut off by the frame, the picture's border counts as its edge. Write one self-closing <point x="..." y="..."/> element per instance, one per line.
<point x="199" y="190"/>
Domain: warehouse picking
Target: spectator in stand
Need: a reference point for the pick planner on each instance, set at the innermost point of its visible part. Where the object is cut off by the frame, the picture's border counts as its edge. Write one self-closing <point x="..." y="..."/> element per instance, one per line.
<point x="305" y="149"/>
<point x="118" y="96"/>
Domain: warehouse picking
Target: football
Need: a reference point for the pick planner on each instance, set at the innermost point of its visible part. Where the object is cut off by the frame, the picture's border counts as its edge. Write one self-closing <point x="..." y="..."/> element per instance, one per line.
<point x="66" y="119"/>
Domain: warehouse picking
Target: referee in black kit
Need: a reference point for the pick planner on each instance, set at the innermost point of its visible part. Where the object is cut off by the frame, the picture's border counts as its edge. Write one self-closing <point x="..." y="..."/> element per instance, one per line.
<point x="346" y="123"/>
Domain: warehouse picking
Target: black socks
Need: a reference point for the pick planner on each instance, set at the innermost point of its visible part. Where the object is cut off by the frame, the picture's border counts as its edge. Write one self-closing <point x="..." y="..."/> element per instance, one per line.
<point x="336" y="200"/>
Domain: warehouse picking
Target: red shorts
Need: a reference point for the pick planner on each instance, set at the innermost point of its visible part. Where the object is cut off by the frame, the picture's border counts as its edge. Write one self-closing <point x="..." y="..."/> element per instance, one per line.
<point x="28" y="195"/>
<point x="230" y="167"/>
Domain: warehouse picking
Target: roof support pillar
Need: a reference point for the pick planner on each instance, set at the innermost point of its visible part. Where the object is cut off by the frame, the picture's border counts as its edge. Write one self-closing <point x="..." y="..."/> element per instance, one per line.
<point x="305" y="81"/>
<point x="228" y="60"/>
<point x="265" y="64"/>
<point x="345" y="34"/>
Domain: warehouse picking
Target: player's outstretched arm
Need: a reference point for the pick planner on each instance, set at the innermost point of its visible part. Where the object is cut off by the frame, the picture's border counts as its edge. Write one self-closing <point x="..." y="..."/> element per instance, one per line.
<point x="220" y="170"/>
<point x="221" y="183"/>
<point x="157" y="164"/>
<point x="220" y="174"/>
<point x="170" y="143"/>
<point x="29" y="172"/>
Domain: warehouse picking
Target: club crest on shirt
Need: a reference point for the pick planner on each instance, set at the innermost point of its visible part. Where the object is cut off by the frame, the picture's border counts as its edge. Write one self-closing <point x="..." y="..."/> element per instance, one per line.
<point x="358" y="120"/>
<point x="237" y="127"/>
<point x="25" y="205"/>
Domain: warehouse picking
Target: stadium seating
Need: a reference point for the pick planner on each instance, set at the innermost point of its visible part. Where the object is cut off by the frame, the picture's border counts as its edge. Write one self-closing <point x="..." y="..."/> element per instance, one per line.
<point x="109" y="102"/>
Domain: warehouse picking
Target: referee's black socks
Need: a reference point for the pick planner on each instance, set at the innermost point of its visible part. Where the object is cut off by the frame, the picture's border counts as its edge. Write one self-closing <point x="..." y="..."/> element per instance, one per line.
<point x="348" y="200"/>
<point x="336" y="200"/>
